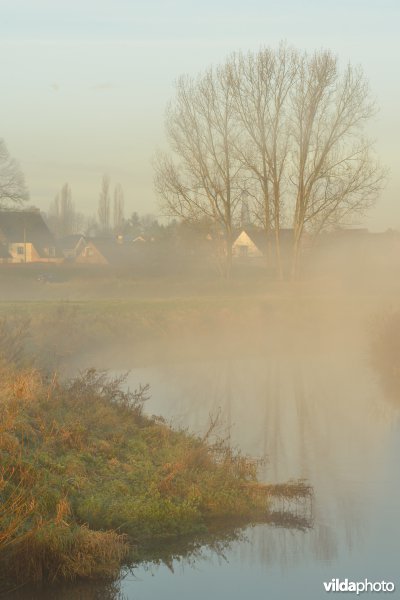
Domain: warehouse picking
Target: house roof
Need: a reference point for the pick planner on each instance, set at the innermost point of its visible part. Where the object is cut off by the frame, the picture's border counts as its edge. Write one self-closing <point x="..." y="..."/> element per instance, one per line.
<point x="70" y="242"/>
<point x="4" y="253"/>
<point x="27" y="226"/>
<point x="114" y="252"/>
<point x="259" y="238"/>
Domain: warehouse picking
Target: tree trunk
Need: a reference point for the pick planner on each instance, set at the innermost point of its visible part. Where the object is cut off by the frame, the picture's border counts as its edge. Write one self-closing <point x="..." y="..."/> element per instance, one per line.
<point x="278" y="255"/>
<point x="295" y="255"/>
<point x="228" y="270"/>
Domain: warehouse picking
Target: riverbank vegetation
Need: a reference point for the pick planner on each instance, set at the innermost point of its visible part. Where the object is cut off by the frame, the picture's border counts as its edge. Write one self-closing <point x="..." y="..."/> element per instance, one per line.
<point x="385" y="351"/>
<point x="87" y="480"/>
<point x="86" y="477"/>
<point x="137" y="331"/>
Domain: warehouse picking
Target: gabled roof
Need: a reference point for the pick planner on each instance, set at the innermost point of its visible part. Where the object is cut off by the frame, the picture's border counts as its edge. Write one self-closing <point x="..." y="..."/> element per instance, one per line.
<point x="259" y="238"/>
<point x="114" y="252"/>
<point x="70" y="242"/>
<point x="27" y="226"/>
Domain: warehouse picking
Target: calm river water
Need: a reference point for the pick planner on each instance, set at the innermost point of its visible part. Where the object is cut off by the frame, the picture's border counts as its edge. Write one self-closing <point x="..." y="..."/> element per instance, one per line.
<point x="319" y="417"/>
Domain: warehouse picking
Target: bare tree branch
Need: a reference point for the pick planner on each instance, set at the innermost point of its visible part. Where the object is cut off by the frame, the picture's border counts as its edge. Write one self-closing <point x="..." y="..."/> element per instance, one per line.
<point x="12" y="182"/>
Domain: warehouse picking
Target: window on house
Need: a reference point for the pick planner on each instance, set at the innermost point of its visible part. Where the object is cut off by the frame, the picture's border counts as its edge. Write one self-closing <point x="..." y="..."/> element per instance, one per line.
<point x="243" y="250"/>
<point x="20" y="250"/>
<point x="88" y="251"/>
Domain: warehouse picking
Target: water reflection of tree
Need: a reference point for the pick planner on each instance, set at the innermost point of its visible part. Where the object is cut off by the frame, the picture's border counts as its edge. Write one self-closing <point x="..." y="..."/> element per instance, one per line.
<point x="318" y="423"/>
<point x="312" y="415"/>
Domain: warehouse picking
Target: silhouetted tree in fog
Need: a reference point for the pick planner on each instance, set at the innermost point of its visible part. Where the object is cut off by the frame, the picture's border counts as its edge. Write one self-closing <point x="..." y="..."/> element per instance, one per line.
<point x="103" y="211"/>
<point x="13" y="189"/>
<point x="283" y="126"/>
<point x="332" y="173"/>
<point x="118" y="212"/>
<point x="261" y="85"/>
<point x="63" y="219"/>
<point x="133" y="225"/>
<point x="202" y="178"/>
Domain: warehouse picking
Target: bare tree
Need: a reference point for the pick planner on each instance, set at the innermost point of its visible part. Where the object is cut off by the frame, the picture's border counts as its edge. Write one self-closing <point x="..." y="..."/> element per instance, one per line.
<point x="64" y="211"/>
<point x="202" y="179"/>
<point x="12" y="182"/>
<point x="262" y="83"/>
<point x="91" y="226"/>
<point x="283" y="127"/>
<point x="63" y="219"/>
<point x="118" y="213"/>
<point x="303" y="141"/>
<point x="103" y="210"/>
<point x="333" y="172"/>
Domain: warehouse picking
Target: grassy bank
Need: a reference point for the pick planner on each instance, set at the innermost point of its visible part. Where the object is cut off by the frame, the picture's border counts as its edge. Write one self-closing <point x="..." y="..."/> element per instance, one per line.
<point x="56" y="335"/>
<point x="118" y="334"/>
<point x="85" y="477"/>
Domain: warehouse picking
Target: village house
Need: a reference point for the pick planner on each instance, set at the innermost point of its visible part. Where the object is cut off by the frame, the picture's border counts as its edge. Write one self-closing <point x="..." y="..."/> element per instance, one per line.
<point x="251" y="243"/>
<point x="71" y="245"/>
<point x="25" y="238"/>
<point x="114" y="252"/>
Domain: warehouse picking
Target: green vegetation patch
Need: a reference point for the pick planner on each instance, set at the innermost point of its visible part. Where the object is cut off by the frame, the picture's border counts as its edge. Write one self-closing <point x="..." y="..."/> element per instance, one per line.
<point x="85" y="476"/>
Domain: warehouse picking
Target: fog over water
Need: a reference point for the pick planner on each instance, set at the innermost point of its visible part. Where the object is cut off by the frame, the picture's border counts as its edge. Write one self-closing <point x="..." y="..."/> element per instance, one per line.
<point x="313" y="407"/>
<point x="322" y="418"/>
<point x="287" y="370"/>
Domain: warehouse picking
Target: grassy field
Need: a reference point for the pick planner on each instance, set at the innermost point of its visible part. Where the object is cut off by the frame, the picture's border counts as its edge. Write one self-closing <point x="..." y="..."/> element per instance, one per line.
<point x="98" y="318"/>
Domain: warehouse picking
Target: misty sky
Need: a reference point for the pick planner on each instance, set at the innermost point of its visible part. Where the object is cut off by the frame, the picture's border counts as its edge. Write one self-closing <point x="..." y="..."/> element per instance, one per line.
<point x="84" y="84"/>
